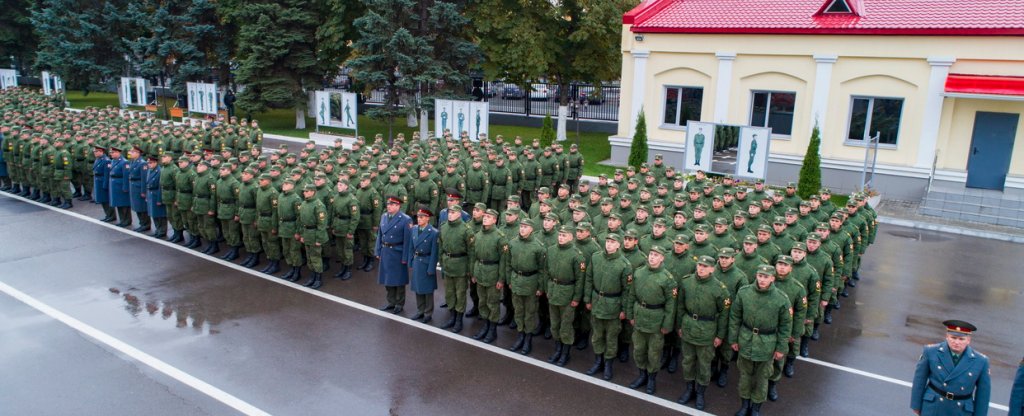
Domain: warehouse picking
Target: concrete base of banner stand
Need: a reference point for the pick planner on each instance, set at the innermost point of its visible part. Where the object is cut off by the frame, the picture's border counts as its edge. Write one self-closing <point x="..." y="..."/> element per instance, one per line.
<point x="324" y="139"/>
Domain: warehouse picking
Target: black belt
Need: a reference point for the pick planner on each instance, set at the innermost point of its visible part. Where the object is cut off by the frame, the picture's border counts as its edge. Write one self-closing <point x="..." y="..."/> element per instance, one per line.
<point x="489" y="262"/>
<point x="697" y="317"/>
<point x="247" y="206"/>
<point x="116" y="177"/>
<point x="288" y="220"/>
<point x="168" y="189"/>
<point x="79" y="160"/>
<point x="455" y="255"/>
<point x="227" y="201"/>
<point x="154" y="188"/>
<point x="649" y="306"/>
<point x="418" y="254"/>
<point x="310" y="227"/>
<point x="759" y="331"/>
<point x="609" y="295"/>
<point x="527" y="274"/>
<point x="184" y="192"/>
<point x="389" y="245"/>
<point x="267" y="215"/>
<point x="476" y="190"/>
<point x="948" y="395"/>
<point x="343" y="218"/>
<point x="135" y="180"/>
<point x="365" y="212"/>
<point x="559" y="282"/>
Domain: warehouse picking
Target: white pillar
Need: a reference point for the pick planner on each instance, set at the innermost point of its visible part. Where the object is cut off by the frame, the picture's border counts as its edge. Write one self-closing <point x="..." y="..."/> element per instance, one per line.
<point x="822" y="82"/>
<point x="932" y="110"/>
<point x="639" y="84"/>
<point x="723" y="85"/>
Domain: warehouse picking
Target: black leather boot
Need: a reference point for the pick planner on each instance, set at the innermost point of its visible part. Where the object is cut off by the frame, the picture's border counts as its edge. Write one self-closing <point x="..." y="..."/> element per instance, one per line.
<point x="598" y="364"/>
<point x="652" y="382"/>
<point x="344" y="274"/>
<point x="66" y="204"/>
<point x="505" y="319"/>
<point x="755" y="409"/>
<point x="458" y="323"/>
<point x="805" y="347"/>
<point x="318" y="281"/>
<point x="273" y="267"/>
<point x="582" y="341"/>
<point x="640" y="380"/>
<point x="687" y="394"/>
<point x="520" y="339"/>
<point x="483" y="331"/>
<point x="231" y="255"/>
<point x="773" y="392"/>
<point x="44" y="198"/>
<point x="699" y="404"/>
<point x="815" y="335"/>
<point x="787" y="368"/>
<point x="291" y="272"/>
<point x="473" y="312"/>
<point x="450" y="322"/>
<point x="673" y="360"/>
<point x="744" y="408"/>
<point x="828" y="315"/>
<point x="212" y="249"/>
<point x="623" y="352"/>
<point x="312" y="279"/>
<point x="558" y="352"/>
<point x="564" y="358"/>
<point x="371" y="265"/>
<point x="296" y="275"/>
<point x="527" y="345"/>
<point x="492" y="333"/>
<point x="608" y="369"/>
<point x="723" y="375"/>
<point x="366" y="261"/>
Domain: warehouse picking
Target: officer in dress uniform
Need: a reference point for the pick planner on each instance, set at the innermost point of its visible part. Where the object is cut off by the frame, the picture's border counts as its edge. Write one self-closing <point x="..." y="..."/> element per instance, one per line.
<point x="117" y="168"/>
<point x="154" y="198"/>
<point x="422" y="257"/>
<point x="101" y="183"/>
<point x="951" y="377"/>
<point x="390" y="251"/>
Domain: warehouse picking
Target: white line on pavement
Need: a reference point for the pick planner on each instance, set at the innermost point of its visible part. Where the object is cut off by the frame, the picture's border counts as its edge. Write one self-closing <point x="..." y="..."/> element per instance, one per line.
<point x="135" y="353"/>
<point x="457" y="337"/>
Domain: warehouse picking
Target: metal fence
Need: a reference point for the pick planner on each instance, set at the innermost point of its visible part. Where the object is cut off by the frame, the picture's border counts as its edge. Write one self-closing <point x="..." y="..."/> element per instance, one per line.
<point x="538" y="99"/>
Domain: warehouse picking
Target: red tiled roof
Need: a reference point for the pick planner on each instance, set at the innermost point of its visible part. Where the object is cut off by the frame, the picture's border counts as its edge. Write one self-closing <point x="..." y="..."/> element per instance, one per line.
<point x="872" y="17"/>
<point x="985" y="84"/>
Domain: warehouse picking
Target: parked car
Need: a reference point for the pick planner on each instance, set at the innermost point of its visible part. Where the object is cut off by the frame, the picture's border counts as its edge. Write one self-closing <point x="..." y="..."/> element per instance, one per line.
<point x="591" y="95"/>
<point x="540" y="92"/>
<point x="512" y="92"/>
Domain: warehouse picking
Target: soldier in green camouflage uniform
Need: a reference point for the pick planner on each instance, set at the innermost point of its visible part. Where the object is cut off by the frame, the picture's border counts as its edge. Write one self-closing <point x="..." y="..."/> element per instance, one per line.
<point x="248" y="217"/>
<point x="651" y="309"/>
<point x="454" y="242"/>
<point x="228" y="189"/>
<point x="702" y="318"/>
<point x="526" y="276"/>
<point x="566" y="273"/>
<point x="796" y="293"/>
<point x="489" y="255"/>
<point x="204" y="205"/>
<point x="267" y="222"/>
<point x="759" y="328"/>
<point x="311" y="229"/>
<point x="288" y="202"/>
<point x="345" y="219"/>
<point x="607" y="278"/>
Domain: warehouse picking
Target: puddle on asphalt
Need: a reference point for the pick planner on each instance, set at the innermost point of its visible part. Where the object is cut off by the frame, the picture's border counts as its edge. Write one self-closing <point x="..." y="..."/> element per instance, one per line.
<point x="165" y="314"/>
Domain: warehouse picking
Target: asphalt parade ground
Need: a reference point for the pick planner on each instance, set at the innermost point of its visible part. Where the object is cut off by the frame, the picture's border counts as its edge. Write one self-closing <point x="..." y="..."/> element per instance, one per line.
<point x="95" y="319"/>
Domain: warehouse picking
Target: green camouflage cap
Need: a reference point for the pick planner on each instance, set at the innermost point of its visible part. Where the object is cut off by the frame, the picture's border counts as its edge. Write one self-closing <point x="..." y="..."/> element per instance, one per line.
<point x="660" y="221"/>
<point x="551" y="216"/>
<point x="800" y="245"/>
<point x="584" y="226"/>
<point x="764" y="227"/>
<point x="766" y="270"/>
<point x="526" y="221"/>
<point x="749" y="239"/>
<point x="779" y="220"/>
<point x="480" y="206"/>
<point x="659" y="249"/>
<point x="727" y="252"/>
<point x="614" y="236"/>
<point x="721" y="221"/>
<point x="814" y="236"/>
<point x="681" y="239"/>
<point x="702" y="228"/>
<point x="491" y="212"/>
<point x="784" y="259"/>
<point x="568" y="229"/>
<point x="706" y="261"/>
<point x="630" y="233"/>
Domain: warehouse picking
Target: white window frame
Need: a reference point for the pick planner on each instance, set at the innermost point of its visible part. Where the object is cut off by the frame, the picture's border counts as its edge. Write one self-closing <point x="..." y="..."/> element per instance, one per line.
<point x="768" y="109"/>
<point x="867" y="123"/>
<point x="679" y="106"/>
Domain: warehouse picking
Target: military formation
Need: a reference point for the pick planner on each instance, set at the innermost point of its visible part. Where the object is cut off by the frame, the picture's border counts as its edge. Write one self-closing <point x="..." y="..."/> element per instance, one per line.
<point x="672" y="271"/>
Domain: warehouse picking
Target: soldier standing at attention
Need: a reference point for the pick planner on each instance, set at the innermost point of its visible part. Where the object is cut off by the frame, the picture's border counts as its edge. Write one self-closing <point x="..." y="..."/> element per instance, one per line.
<point x="951" y="377"/>
<point x="392" y="233"/>
<point x="345" y="218"/>
<point x="311" y="232"/>
<point x="118" y="187"/>
<point x="369" y="211"/>
<point x="204" y="205"/>
<point x="228" y="189"/>
<point x="488" y="256"/>
<point x="526" y="267"/>
<point x="288" y="202"/>
<point x="266" y="223"/>
<point x="797" y="294"/>
<point x="137" y="188"/>
<point x="454" y="242"/>
<point x="651" y="309"/>
<point x="566" y="271"/>
<point x="154" y="199"/>
<point x="607" y="278"/>
<point x="759" y="327"/>
<point x="421" y="256"/>
<point x="169" y="195"/>
<point x="703" y="316"/>
<point x="247" y="217"/>
<point x="101" y="183"/>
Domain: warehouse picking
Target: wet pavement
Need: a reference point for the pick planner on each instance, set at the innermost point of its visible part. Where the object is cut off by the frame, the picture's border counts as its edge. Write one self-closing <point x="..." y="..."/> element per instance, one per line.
<point x="290" y="351"/>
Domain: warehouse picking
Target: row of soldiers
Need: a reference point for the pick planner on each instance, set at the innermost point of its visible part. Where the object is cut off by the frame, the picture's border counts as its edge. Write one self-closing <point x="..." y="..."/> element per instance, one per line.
<point x="317" y="204"/>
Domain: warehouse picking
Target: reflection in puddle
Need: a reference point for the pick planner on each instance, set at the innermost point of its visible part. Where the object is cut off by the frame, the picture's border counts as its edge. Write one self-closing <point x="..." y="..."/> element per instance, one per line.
<point x="183" y="316"/>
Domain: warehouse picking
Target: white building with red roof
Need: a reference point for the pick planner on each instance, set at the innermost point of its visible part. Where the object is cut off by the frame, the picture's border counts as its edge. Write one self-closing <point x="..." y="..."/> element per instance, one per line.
<point x="941" y="82"/>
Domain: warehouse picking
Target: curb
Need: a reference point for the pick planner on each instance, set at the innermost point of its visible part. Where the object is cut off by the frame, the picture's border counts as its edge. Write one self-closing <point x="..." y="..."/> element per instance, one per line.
<point x="951" y="229"/>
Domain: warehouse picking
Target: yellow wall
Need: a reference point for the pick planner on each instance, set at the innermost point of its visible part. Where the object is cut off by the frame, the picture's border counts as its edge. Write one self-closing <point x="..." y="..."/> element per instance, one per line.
<point x="864" y="68"/>
<point x="958" y="127"/>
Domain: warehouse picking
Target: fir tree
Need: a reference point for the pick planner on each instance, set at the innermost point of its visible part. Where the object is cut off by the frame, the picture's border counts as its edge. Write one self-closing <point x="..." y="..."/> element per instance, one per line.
<point x="810" y="172"/>
<point x="547" y="132"/>
<point x="638" y="149"/>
